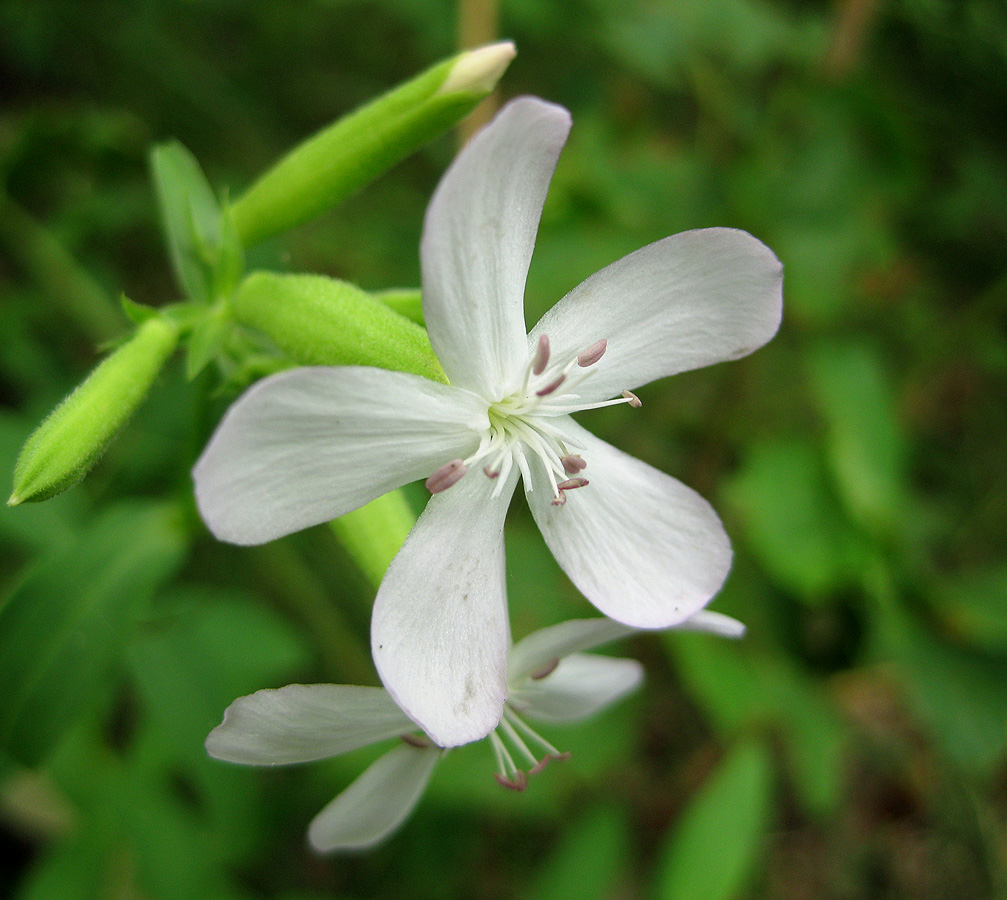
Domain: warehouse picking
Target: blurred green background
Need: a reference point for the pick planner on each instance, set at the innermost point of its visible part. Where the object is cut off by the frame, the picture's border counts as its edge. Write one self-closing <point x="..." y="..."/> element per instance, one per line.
<point x="852" y="746"/>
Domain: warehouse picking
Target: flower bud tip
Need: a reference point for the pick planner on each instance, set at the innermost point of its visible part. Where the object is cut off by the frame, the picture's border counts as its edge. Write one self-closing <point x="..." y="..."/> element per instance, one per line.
<point x="479" y="70"/>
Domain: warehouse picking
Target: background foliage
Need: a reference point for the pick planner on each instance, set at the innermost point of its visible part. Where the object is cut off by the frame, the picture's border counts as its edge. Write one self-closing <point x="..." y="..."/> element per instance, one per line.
<point x="851" y="747"/>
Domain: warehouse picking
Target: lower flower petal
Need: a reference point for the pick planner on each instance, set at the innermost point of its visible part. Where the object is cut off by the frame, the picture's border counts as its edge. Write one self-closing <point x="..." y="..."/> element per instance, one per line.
<point x="642" y="547"/>
<point x="304" y="722"/>
<point x="376" y="803"/>
<point x="309" y="445"/>
<point x="579" y="687"/>
<point x="439" y="632"/>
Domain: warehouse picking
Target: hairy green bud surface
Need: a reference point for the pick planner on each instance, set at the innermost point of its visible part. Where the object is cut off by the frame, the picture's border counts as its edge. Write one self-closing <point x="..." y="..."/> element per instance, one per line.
<point x="358" y="148"/>
<point x="69" y="442"/>
<point x="320" y="321"/>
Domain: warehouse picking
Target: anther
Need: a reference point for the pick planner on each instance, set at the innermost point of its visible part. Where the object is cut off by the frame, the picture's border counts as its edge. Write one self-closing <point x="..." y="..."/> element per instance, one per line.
<point x="544" y="761"/>
<point x="634" y="401"/>
<point x="573" y="464"/>
<point x="518" y="783"/>
<point x="416" y="740"/>
<point x="572" y="483"/>
<point x="551" y="386"/>
<point x="491" y="473"/>
<point x="547" y="669"/>
<point x="541" y="358"/>
<point x="447" y="475"/>
<point x="592" y="354"/>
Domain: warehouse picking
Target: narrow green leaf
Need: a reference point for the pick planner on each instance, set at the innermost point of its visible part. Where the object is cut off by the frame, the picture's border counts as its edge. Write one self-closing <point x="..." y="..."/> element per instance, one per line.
<point x="63" y="627"/>
<point x="202" y="241"/>
<point x="713" y="851"/>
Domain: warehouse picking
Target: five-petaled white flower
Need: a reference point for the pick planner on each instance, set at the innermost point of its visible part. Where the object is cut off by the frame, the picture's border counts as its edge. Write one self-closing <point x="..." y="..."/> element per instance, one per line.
<point x="550" y="680"/>
<point x="311" y="444"/>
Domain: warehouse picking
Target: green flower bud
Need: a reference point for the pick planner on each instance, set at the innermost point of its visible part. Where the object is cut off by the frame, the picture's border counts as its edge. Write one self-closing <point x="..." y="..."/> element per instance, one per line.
<point x="361" y="146"/>
<point x="67" y="444"/>
<point x="320" y="321"/>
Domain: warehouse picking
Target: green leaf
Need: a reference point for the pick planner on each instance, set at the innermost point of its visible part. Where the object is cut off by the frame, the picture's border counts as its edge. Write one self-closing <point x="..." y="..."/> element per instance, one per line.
<point x="713" y="851"/>
<point x="792" y="522"/>
<point x="592" y="853"/>
<point x="64" y="626"/>
<point x="202" y="241"/>
<point x="207" y="338"/>
<point x="741" y="687"/>
<point x="866" y="450"/>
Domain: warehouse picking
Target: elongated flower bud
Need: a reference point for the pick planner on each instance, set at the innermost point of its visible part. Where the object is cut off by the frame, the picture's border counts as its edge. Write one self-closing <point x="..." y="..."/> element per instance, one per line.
<point x="356" y="149"/>
<point x="69" y="442"/>
<point x="320" y="321"/>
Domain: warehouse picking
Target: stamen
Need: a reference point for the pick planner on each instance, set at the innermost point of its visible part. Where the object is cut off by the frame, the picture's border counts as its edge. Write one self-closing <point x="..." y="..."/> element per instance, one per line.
<point x="559" y="499"/>
<point x="447" y="475"/>
<point x="632" y="399"/>
<point x="545" y="760"/>
<point x="490" y="473"/>
<point x="550" y="387"/>
<point x="592" y="354"/>
<point x="519" y="783"/>
<point x="547" y="669"/>
<point x="573" y="464"/>
<point x="416" y="740"/>
<point x="510" y="776"/>
<point x="541" y="358"/>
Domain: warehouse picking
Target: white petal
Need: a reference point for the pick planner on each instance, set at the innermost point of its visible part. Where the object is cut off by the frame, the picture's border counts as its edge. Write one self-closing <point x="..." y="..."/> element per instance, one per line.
<point x="308" y="445"/>
<point x="542" y="647"/>
<point x="304" y="722"/>
<point x="376" y="803"/>
<point x="477" y="242"/>
<point x="580" y="686"/>
<point x="710" y="622"/>
<point x="687" y="301"/>
<point x="641" y="546"/>
<point x="439" y="632"/>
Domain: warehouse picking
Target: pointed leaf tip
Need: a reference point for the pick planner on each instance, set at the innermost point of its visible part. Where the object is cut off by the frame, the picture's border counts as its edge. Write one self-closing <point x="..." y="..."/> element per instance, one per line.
<point x="478" y="71"/>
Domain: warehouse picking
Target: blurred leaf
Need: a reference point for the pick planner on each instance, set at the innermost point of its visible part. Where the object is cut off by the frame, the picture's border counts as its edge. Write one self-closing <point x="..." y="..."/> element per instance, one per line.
<point x="741" y="688"/>
<point x="792" y="521"/>
<point x="714" y="850"/>
<point x="64" y="626"/>
<point x="866" y="449"/>
<point x="207" y="647"/>
<point x="961" y="693"/>
<point x="591" y="856"/>
<point x="975" y="606"/>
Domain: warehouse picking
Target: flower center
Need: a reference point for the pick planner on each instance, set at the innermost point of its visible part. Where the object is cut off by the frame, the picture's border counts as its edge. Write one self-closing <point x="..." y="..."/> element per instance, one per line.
<point x="521" y="426"/>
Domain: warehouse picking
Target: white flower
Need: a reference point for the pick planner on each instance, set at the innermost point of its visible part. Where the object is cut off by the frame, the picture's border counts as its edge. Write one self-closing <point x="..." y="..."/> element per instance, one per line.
<point x="308" y="445"/>
<point x="551" y="680"/>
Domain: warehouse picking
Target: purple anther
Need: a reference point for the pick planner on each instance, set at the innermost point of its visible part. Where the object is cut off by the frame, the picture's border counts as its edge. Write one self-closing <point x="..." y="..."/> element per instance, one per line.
<point x="550" y="387"/>
<point x="447" y="475"/>
<point x="592" y="354"/>
<point x="519" y="783"/>
<point x="547" y="669"/>
<point x="416" y="740"/>
<point x="544" y="761"/>
<point x="541" y="359"/>
<point x="572" y="483"/>
<point x="491" y="473"/>
<point x="634" y="401"/>
<point x="559" y="499"/>
<point x="573" y="464"/>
